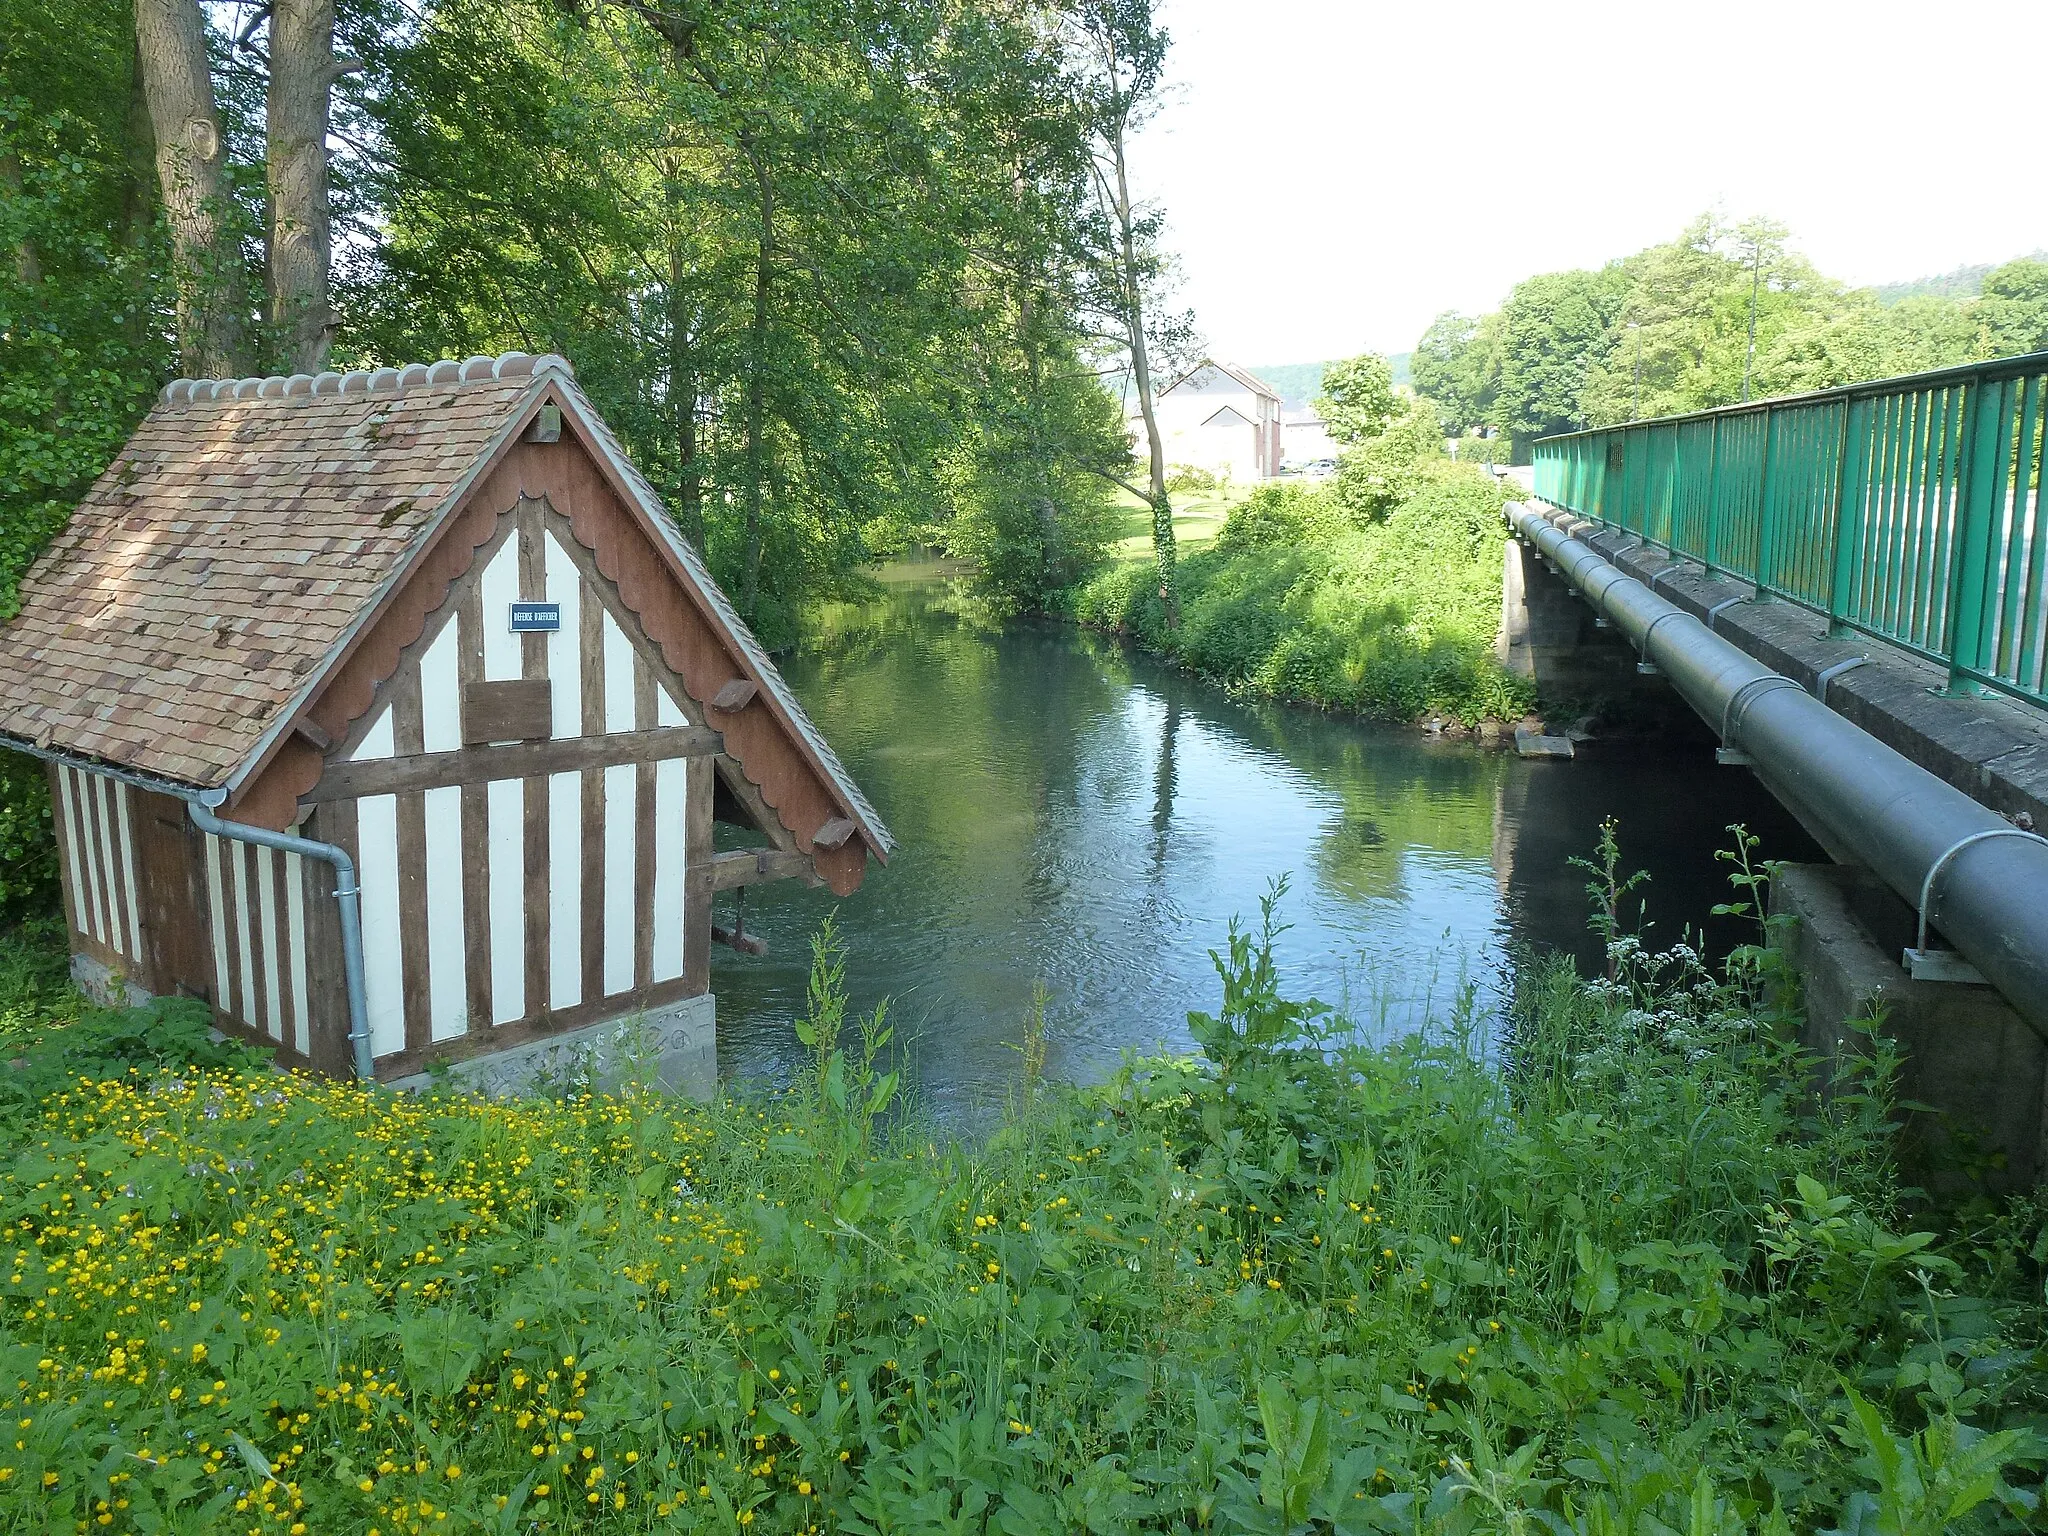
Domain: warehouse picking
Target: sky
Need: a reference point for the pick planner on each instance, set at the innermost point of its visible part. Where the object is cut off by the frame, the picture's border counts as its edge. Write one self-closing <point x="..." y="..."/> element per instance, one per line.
<point x="1335" y="173"/>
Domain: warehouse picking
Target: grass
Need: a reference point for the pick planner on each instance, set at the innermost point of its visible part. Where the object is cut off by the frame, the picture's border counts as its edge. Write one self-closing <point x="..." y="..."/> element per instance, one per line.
<point x="1611" y="1272"/>
<point x="1294" y="597"/>
<point x="1198" y="516"/>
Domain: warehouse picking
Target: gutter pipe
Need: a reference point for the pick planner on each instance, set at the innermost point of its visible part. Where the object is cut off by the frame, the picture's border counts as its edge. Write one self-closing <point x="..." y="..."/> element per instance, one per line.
<point x="1982" y="881"/>
<point x="347" y="893"/>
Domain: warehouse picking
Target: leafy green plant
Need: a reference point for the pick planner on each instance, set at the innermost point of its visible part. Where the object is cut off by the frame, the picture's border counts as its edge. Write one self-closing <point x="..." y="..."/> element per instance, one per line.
<point x="1393" y="616"/>
<point x="1600" y="1267"/>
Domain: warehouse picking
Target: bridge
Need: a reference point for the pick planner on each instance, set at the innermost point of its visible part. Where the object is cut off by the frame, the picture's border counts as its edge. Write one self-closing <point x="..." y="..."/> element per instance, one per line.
<point x="1851" y="588"/>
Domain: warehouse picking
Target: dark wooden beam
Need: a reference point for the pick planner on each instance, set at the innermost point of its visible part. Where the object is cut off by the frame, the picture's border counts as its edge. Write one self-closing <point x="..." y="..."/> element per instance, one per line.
<point x="526" y="759"/>
<point x="311" y="734"/>
<point x="833" y="833"/>
<point x="751" y="866"/>
<point x="519" y="709"/>
<point x="735" y="695"/>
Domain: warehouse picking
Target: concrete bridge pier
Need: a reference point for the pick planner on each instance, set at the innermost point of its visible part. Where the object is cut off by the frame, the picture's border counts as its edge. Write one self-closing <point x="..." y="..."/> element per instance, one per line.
<point x="1975" y="1068"/>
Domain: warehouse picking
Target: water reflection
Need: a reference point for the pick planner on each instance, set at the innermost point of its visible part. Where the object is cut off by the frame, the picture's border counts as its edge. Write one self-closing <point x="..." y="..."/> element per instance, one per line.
<point x="1072" y="813"/>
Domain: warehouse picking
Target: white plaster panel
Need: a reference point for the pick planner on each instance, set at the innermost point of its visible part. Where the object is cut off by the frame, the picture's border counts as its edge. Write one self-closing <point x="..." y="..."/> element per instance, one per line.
<point x="505" y="815"/>
<point x="671" y="788"/>
<point x="565" y="655"/>
<point x="447" y="970"/>
<point x="441" y="692"/>
<point x="295" y="917"/>
<point x="619" y="825"/>
<point x="498" y="590"/>
<point x="383" y="955"/>
<point x="377" y="740"/>
<point x="565" y="890"/>
<point x="618" y="677"/>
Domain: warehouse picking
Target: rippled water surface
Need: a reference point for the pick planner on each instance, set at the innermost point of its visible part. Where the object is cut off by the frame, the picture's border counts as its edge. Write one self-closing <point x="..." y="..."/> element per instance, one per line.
<point x="1073" y="813"/>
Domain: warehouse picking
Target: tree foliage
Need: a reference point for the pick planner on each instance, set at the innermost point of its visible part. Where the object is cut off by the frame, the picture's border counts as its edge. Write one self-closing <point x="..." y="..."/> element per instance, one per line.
<point x="832" y="270"/>
<point x="1693" y="322"/>
<point x="1357" y="398"/>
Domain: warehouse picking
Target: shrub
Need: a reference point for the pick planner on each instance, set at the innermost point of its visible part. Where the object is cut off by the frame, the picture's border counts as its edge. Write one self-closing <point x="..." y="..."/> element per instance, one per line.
<point x="1384" y="471"/>
<point x="1282" y="513"/>
<point x="1394" y="619"/>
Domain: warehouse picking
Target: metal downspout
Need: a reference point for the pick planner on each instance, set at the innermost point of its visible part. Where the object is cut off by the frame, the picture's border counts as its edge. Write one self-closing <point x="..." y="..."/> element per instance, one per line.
<point x="347" y="895"/>
<point x="1919" y="834"/>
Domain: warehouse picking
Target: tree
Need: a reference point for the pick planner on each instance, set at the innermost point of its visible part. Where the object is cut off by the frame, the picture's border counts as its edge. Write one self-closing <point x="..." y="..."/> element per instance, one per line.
<point x="1549" y="336"/>
<point x="1453" y="366"/>
<point x="191" y="162"/>
<point x="87" y="310"/>
<point x="1357" y="399"/>
<point x="1378" y="473"/>
<point x="297" y="104"/>
<point x="1120" y="57"/>
<point x="2012" y="312"/>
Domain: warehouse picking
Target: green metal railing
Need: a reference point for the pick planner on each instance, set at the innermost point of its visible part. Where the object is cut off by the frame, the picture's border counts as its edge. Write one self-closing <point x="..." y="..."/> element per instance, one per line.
<point x="1907" y="509"/>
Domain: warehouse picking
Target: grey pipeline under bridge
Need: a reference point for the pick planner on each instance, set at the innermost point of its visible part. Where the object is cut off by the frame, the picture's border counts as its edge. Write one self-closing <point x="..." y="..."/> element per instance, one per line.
<point x="1972" y="876"/>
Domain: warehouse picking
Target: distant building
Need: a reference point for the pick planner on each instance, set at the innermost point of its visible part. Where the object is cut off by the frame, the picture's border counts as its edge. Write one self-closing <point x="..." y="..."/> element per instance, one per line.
<point x="1222" y="419"/>
<point x="1304" y="438"/>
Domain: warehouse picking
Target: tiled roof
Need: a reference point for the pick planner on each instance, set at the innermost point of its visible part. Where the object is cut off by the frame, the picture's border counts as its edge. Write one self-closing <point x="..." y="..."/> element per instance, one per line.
<point x="1250" y="381"/>
<point x="213" y="571"/>
<point x="216" y="563"/>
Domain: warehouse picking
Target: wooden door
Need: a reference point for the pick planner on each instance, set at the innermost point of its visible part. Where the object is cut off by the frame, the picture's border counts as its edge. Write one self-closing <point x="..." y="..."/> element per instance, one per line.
<point x="171" y="899"/>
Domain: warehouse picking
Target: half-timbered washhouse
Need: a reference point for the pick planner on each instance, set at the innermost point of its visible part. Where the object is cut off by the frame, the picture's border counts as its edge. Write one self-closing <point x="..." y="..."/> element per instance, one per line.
<point x="432" y="617"/>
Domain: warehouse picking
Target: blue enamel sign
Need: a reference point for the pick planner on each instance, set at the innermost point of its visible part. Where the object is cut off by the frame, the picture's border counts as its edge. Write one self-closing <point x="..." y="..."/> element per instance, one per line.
<point x="528" y="617"/>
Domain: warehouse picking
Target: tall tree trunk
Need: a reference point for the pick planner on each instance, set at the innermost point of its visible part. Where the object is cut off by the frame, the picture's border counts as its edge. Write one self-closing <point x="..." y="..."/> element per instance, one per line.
<point x="301" y="89"/>
<point x="138" y="203"/>
<point x="28" y="266"/>
<point x="138" y="148"/>
<point x="1163" y="551"/>
<point x="191" y="156"/>
<point x="682" y="373"/>
<point x="757" y="360"/>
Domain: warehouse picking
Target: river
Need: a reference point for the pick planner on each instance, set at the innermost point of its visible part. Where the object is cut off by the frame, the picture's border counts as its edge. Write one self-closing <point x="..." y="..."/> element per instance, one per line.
<point x="1072" y="812"/>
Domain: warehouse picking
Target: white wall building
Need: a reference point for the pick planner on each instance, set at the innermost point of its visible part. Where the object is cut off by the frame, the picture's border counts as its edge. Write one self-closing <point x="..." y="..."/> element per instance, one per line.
<point x="1304" y="438"/>
<point x="1221" y="419"/>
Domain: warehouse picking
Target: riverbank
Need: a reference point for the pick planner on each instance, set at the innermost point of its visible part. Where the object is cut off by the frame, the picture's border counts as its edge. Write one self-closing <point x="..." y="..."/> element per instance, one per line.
<point x="1602" y="1270"/>
<point x="1297" y="598"/>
